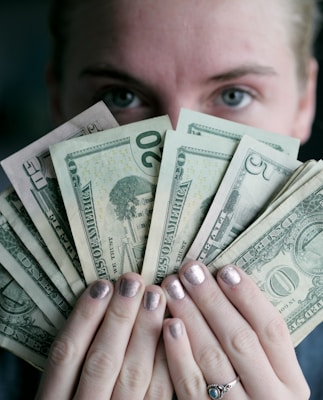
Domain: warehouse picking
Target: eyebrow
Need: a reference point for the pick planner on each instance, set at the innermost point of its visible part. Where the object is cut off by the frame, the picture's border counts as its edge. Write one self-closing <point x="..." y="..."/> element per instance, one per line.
<point x="248" y="69"/>
<point x="105" y="70"/>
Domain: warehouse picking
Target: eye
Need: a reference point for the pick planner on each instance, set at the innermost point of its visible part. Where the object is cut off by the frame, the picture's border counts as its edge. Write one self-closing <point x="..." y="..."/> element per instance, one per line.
<point x="236" y="97"/>
<point x="120" y="98"/>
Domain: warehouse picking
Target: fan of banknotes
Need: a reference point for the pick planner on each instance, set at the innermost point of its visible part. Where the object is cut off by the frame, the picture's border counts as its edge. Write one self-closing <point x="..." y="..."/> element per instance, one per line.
<point x="93" y="200"/>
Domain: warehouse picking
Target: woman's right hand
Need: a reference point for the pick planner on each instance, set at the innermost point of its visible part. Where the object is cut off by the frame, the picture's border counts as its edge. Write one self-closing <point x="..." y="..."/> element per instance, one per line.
<point x="226" y="339"/>
<point x="110" y="347"/>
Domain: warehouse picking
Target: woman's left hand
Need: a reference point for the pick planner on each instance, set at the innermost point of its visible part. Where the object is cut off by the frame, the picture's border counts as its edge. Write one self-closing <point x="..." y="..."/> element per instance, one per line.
<point x="110" y="346"/>
<point x="225" y="331"/>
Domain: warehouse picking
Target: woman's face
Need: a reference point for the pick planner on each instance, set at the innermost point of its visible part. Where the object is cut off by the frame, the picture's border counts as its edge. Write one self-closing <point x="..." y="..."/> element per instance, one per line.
<point x="226" y="58"/>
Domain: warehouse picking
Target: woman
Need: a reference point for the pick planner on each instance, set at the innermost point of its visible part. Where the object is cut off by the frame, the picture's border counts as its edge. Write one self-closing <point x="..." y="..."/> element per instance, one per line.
<point x="250" y="62"/>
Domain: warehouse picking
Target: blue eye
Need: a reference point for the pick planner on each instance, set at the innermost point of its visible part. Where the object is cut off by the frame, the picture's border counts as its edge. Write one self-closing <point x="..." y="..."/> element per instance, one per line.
<point x="235" y="98"/>
<point x="120" y="98"/>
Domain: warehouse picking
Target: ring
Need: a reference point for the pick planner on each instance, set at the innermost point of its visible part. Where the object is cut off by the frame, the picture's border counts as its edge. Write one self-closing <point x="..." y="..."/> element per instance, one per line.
<point x="216" y="391"/>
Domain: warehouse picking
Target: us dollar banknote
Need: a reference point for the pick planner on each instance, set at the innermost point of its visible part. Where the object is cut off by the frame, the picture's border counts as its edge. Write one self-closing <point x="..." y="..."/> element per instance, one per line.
<point x="108" y="183"/>
<point x="191" y="171"/>
<point x="302" y="175"/>
<point x="200" y="124"/>
<point x="31" y="173"/>
<point x="255" y="174"/>
<point x="127" y="199"/>
<point x="20" y="263"/>
<point x="24" y="329"/>
<point x="15" y="213"/>
<point x="283" y="254"/>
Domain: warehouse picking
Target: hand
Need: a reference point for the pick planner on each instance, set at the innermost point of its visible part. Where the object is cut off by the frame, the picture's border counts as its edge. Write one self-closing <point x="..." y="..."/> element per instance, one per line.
<point x="227" y="328"/>
<point x="109" y="347"/>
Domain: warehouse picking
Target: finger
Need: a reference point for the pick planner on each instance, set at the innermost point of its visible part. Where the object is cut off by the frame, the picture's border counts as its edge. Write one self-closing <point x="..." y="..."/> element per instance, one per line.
<point x="207" y="350"/>
<point x="70" y="346"/>
<point x="161" y="386"/>
<point x="239" y="339"/>
<point x="138" y="364"/>
<point x="106" y="354"/>
<point x="186" y="375"/>
<point x="269" y="325"/>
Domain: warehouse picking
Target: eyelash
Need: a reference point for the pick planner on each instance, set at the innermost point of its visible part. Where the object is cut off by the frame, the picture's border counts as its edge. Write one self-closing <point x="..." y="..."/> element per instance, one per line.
<point x="138" y="100"/>
<point x="115" y="91"/>
<point x="246" y="96"/>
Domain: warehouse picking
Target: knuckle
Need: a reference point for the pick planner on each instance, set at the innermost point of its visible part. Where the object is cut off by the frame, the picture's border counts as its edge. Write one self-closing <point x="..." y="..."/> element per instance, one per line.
<point x="121" y="314"/>
<point x="211" y="359"/>
<point x="190" y="387"/>
<point x="159" y="391"/>
<point x="63" y="350"/>
<point x="304" y="392"/>
<point x="275" y="330"/>
<point x="244" y="341"/>
<point x="133" y="377"/>
<point x="97" y="364"/>
<point x="301" y="392"/>
<point x="85" y="312"/>
<point x="216" y="298"/>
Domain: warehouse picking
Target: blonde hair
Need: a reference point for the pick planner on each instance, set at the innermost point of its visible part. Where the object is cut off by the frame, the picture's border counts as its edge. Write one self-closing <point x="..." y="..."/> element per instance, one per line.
<point x="303" y="18"/>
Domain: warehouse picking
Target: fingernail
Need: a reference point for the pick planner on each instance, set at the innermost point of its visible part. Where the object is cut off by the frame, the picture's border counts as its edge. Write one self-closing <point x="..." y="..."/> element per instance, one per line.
<point x="175" y="290"/>
<point x="230" y="275"/>
<point x="99" y="290"/>
<point x="176" y="329"/>
<point x="129" y="287"/>
<point x="195" y="274"/>
<point x="151" y="301"/>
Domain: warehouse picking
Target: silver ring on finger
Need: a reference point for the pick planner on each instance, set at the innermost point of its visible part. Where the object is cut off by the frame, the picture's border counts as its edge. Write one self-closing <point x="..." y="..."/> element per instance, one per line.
<point x="216" y="391"/>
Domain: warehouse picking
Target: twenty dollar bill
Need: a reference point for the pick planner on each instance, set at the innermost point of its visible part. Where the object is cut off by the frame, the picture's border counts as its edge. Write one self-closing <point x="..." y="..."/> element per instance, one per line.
<point x="108" y="182"/>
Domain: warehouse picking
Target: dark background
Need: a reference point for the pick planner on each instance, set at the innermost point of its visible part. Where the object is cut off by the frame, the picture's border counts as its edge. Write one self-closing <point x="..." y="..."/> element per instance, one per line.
<point x="24" y="50"/>
<point x="24" y="109"/>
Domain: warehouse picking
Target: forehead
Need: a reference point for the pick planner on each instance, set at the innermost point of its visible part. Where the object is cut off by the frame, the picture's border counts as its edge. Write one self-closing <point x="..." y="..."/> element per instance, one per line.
<point x="130" y="30"/>
<point x="171" y="17"/>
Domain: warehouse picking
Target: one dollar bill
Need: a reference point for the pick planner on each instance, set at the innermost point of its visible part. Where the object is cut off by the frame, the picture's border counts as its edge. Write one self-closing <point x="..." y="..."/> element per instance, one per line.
<point x="283" y="254"/>
<point x="24" y="329"/>
<point x="21" y="264"/>
<point x="13" y="210"/>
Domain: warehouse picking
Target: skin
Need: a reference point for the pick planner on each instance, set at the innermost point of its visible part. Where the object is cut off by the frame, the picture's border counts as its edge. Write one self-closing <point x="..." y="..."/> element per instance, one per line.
<point x="220" y="63"/>
<point x="222" y="58"/>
